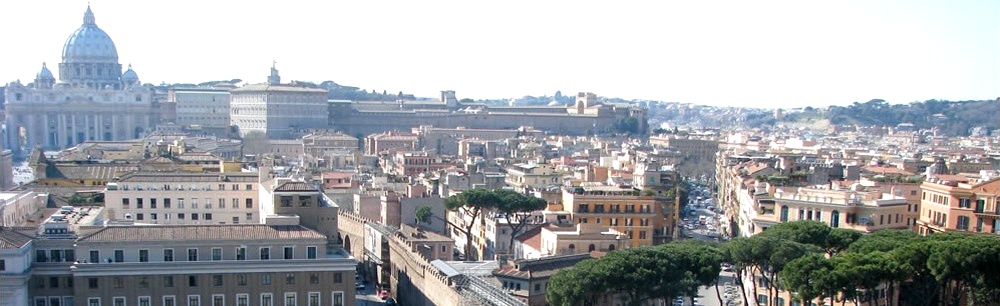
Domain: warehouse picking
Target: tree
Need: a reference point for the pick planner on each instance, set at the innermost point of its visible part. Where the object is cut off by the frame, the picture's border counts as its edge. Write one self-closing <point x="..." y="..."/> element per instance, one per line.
<point x="424" y="215"/>
<point x="802" y="276"/>
<point x="516" y="209"/>
<point x="470" y="204"/>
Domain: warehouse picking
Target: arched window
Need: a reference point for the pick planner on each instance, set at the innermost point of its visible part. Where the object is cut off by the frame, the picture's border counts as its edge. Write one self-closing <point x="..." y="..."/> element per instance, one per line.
<point x="611" y="247"/>
<point x="572" y="248"/>
<point x="784" y="213"/>
<point x="591" y="248"/>
<point x="835" y="219"/>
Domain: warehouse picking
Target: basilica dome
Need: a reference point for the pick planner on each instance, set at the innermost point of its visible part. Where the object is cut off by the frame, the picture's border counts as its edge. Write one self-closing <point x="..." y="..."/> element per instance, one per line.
<point x="89" y="44"/>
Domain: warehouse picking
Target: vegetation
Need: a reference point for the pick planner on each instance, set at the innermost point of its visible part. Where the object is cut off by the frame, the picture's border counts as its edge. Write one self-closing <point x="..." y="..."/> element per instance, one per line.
<point x="473" y="203"/>
<point x="516" y="209"/>
<point x="952" y="118"/>
<point x="424" y="214"/>
<point x="807" y="258"/>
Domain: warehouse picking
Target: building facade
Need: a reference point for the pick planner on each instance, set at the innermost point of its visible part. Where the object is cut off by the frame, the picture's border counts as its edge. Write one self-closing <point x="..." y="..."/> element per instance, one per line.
<point x="184" y="198"/>
<point x="947" y="205"/>
<point x="205" y="107"/>
<point x="92" y="100"/>
<point x="277" y="110"/>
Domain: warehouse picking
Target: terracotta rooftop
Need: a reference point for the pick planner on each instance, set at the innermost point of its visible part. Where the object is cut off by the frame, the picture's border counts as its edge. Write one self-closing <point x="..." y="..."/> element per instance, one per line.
<point x="295" y="186"/>
<point x="541" y="267"/>
<point x="887" y="170"/>
<point x="201" y="232"/>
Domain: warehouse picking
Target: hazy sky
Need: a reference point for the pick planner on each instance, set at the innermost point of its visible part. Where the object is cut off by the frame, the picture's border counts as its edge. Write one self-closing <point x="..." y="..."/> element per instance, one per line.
<point x="745" y="53"/>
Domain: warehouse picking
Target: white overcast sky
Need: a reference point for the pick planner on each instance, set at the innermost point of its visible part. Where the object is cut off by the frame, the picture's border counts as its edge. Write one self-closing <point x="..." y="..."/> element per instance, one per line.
<point x="740" y="53"/>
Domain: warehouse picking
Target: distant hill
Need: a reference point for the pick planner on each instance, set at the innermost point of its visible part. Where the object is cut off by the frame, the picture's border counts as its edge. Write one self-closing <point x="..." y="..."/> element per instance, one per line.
<point x="950" y="117"/>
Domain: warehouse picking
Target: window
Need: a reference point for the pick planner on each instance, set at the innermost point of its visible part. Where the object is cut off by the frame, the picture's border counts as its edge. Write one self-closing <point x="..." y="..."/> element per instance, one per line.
<point x="3" y="265"/>
<point x="538" y="287"/>
<point x="216" y="253"/>
<point x="338" y="299"/>
<point x="180" y="216"/>
<point x="168" y="254"/>
<point x="784" y="213"/>
<point x="290" y="279"/>
<point x="168" y="281"/>
<point x="194" y="216"/>
<point x="180" y="203"/>
<point x="338" y="277"/>
<point x="119" y="301"/>
<point x="313" y="299"/>
<point x="311" y="252"/>
<point x="236" y="203"/>
<point x="192" y="254"/>
<point x="144" y="282"/>
<point x="249" y="187"/>
<point x="218" y="300"/>
<point x="208" y="204"/>
<point x="241" y="279"/>
<point x="194" y="300"/>
<point x="125" y="203"/>
<point x="241" y="253"/>
<point x="313" y="278"/>
<point x="963" y="223"/>
<point x="139" y="217"/>
<point x="152" y="203"/>
<point x="143" y="255"/>
<point x="119" y="255"/>
<point x="265" y="253"/>
<point x="266" y="299"/>
<point x="169" y="300"/>
<point x="222" y="203"/>
<point x="92" y="283"/>
<point x="95" y="256"/>
<point x="265" y="279"/>
<point x="249" y="203"/>
<point x="166" y="203"/>
<point x="208" y="216"/>
<point x="138" y="203"/>
<point x="144" y="301"/>
<point x="194" y="203"/>
<point x="964" y="203"/>
<point x="53" y="282"/>
<point x="217" y="280"/>
<point x="192" y="281"/>
<point x="288" y="252"/>
<point x="94" y="301"/>
<point x="290" y="299"/>
<point x="242" y="299"/>
<point x="835" y="219"/>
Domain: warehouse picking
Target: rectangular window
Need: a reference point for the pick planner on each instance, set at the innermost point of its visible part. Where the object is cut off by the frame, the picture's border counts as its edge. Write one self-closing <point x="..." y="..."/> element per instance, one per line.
<point x="139" y="217"/>
<point x="241" y="253"/>
<point x="288" y="253"/>
<point x="222" y="203"/>
<point x="964" y="203"/>
<point x="119" y="301"/>
<point x="92" y="283"/>
<point x="194" y="216"/>
<point x="313" y="278"/>
<point x="180" y="203"/>
<point x="314" y="299"/>
<point x="249" y="203"/>
<point x="290" y="299"/>
<point x="53" y="282"/>
<point x="208" y="204"/>
<point x="95" y="256"/>
<point x="963" y="223"/>
<point x="166" y="203"/>
<point x="338" y="299"/>
<point x="249" y="187"/>
<point x="194" y="203"/>
<point x="168" y="281"/>
<point x="192" y="254"/>
<point x="311" y="252"/>
<point x="138" y="203"/>
<point x="152" y="203"/>
<point x="218" y="300"/>
<point x="338" y="277"/>
<point x="144" y="301"/>
<point x="241" y="279"/>
<point x="216" y="253"/>
<point x="242" y="299"/>
<point x="217" y="280"/>
<point x="143" y="255"/>
<point x="265" y="253"/>
<point x="265" y="279"/>
<point x="192" y="281"/>
<point x="290" y="279"/>
<point x="94" y="301"/>
<point x="266" y="299"/>
<point x="168" y="255"/>
<point x="119" y="255"/>
<point x="125" y="203"/>
<point x="169" y="300"/>
<point x="208" y="216"/>
<point x="194" y="300"/>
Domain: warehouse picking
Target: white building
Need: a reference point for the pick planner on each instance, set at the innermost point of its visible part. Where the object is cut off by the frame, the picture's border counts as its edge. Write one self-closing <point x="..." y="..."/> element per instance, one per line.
<point x="206" y="107"/>
<point x="17" y="207"/>
<point x="184" y="198"/>
<point x="278" y="110"/>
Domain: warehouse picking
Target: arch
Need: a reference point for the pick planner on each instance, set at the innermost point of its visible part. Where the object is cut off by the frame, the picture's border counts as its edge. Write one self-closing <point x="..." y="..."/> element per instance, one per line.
<point x="835" y="219"/>
<point x="784" y="213"/>
<point x="591" y="248"/>
<point x="572" y="248"/>
<point x="611" y="247"/>
<point x="340" y="239"/>
<point x="347" y="243"/>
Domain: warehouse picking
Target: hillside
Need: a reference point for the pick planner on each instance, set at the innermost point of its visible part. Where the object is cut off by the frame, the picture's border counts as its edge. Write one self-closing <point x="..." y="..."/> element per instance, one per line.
<point x="950" y="117"/>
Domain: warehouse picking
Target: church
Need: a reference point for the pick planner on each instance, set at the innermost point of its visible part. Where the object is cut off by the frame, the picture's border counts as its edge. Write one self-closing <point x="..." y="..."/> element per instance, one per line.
<point x="92" y="99"/>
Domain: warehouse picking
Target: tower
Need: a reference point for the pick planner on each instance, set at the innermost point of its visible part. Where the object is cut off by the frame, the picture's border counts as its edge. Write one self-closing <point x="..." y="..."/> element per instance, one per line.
<point x="274" y="78"/>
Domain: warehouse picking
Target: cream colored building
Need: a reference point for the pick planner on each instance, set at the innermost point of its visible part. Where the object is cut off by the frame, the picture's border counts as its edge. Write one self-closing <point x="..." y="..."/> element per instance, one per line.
<point x="207" y="107"/>
<point x="526" y="177"/>
<point x="277" y="110"/>
<point x="860" y="210"/>
<point x="638" y="217"/>
<point x="184" y="198"/>
<point x="17" y="207"/>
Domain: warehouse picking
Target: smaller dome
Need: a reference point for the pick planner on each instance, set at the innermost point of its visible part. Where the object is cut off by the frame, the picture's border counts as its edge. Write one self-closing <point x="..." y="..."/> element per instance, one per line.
<point x="45" y="74"/>
<point x="129" y="75"/>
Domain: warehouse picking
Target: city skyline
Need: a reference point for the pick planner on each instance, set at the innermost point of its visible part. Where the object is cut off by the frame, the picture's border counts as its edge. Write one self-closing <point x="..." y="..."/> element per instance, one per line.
<point x="766" y="54"/>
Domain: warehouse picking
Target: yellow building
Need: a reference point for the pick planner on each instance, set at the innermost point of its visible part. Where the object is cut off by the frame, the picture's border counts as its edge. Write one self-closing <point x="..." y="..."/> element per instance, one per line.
<point x="621" y="209"/>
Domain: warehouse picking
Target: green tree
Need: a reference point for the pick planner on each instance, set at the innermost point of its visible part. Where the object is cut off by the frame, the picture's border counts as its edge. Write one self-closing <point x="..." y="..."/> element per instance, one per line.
<point x="424" y="214"/>
<point x="516" y="209"/>
<point x="470" y="204"/>
<point x="803" y="276"/>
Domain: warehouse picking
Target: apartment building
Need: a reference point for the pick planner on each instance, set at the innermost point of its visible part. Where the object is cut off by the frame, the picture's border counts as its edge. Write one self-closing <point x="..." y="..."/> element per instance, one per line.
<point x="184" y="198"/>
<point x="413" y="163"/>
<point x="959" y="203"/>
<point x="854" y="208"/>
<point x="531" y="176"/>
<point x="619" y="208"/>
<point x="390" y="141"/>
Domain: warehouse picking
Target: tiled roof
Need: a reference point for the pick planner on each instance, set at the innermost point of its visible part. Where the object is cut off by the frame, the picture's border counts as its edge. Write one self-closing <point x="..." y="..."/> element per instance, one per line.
<point x="11" y="239"/>
<point x="88" y="171"/>
<point x="887" y="170"/>
<point x="295" y="186"/>
<point x="541" y="267"/>
<point x="200" y="232"/>
<point x="282" y="87"/>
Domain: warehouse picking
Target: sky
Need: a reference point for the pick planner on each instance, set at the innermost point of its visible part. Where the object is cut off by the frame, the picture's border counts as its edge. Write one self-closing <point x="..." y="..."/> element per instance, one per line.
<point x="724" y="53"/>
